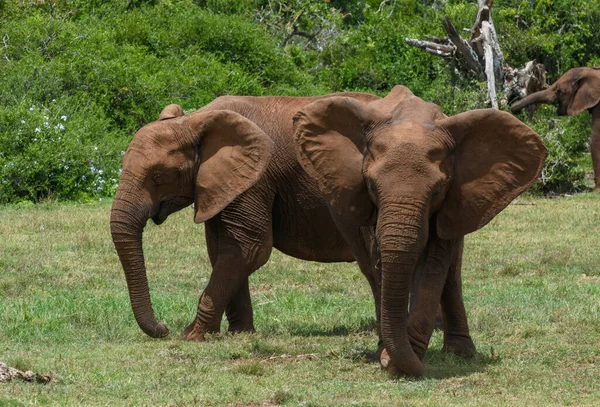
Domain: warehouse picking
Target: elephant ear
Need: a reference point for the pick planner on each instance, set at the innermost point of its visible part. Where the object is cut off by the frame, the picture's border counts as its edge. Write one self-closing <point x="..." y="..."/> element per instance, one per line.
<point x="170" y="112"/>
<point x="330" y="140"/>
<point x="587" y="94"/>
<point x="496" y="158"/>
<point x="233" y="153"/>
<point x="387" y="104"/>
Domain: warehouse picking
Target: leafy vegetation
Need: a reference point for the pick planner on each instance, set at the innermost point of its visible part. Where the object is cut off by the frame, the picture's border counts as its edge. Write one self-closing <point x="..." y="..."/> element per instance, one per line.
<point x="110" y="66"/>
<point x="531" y="288"/>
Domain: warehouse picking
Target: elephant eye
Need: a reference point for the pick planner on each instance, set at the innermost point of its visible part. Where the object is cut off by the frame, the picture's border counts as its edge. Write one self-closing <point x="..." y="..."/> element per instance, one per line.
<point x="156" y="177"/>
<point x="437" y="190"/>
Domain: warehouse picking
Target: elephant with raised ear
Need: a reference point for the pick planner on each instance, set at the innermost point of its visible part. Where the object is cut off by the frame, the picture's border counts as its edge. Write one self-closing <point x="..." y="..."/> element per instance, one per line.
<point x="390" y="183"/>
<point x="422" y="181"/>
<point x="577" y="90"/>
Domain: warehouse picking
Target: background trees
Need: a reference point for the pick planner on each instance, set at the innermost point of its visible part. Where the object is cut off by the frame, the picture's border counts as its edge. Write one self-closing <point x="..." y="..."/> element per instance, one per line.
<point x="79" y="77"/>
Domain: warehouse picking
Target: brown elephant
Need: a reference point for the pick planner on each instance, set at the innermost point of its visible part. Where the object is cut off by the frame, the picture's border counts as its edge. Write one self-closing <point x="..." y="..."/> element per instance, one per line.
<point x="577" y="90"/>
<point x="391" y="183"/>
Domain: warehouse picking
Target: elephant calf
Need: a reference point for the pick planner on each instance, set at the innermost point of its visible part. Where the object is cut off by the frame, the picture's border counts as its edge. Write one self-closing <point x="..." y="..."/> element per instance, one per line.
<point x="391" y="183"/>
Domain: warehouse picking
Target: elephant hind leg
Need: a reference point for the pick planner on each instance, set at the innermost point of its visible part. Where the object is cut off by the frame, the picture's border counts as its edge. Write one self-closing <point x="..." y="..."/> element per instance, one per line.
<point x="239" y="311"/>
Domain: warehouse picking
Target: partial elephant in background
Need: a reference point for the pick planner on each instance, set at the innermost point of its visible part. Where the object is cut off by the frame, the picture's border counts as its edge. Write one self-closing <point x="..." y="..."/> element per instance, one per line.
<point x="393" y="184"/>
<point x="577" y="90"/>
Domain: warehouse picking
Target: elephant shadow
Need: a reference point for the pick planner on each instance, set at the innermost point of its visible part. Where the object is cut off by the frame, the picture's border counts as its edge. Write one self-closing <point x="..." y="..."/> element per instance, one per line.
<point x="315" y="329"/>
<point x="443" y="365"/>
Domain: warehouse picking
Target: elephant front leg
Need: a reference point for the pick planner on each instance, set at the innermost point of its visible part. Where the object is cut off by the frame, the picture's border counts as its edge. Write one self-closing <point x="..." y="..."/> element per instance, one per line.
<point x="456" y="328"/>
<point x="430" y="278"/>
<point x="236" y="250"/>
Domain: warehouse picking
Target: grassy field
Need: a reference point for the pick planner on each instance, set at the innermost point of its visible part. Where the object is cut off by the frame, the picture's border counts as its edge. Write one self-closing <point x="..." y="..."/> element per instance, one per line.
<point x="532" y="291"/>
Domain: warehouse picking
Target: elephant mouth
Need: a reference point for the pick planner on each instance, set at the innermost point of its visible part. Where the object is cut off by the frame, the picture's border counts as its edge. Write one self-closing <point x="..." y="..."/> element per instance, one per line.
<point x="166" y="208"/>
<point x="159" y="218"/>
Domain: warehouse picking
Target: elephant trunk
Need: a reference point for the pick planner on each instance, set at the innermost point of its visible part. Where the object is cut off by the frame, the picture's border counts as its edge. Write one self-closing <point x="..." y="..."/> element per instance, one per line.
<point x="401" y="233"/>
<point x="547" y="96"/>
<point x="127" y="220"/>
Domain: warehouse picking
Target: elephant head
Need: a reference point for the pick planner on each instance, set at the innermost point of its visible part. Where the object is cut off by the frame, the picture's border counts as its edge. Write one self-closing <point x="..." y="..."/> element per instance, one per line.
<point x="399" y="163"/>
<point x="577" y="90"/>
<point x="207" y="158"/>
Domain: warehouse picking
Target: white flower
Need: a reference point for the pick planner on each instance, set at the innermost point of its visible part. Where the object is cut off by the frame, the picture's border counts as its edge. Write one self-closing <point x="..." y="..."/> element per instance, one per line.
<point x="100" y="172"/>
<point x="37" y="129"/>
<point x="22" y="121"/>
<point x="31" y="108"/>
<point x="83" y="177"/>
<point x="95" y="148"/>
<point x="46" y="125"/>
<point x="122" y="153"/>
<point x="33" y="139"/>
<point x="92" y="168"/>
<point x="101" y="181"/>
<point x="63" y="118"/>
<point x="59" y="126"/>
<point x="66" y="167"/>
<point x="54" y="100"/>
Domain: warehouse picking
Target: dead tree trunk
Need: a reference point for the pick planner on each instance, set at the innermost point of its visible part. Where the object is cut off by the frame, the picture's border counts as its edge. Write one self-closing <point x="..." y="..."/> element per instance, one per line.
<point x="481" y="57"/>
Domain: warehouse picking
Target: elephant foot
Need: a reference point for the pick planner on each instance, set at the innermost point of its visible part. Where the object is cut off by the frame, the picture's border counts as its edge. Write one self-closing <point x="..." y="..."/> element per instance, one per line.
<point x="460" y="345"/>
<point x="193" y="333"/>
<point x="236" y="329"/>
<point x="386" y="364"/>
<point x="419" y="346"/>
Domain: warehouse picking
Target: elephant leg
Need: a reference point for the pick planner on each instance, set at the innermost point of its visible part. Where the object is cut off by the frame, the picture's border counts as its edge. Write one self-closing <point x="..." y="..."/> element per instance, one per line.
<point x="439" y="318"/>
<point x="595" y="146"/>
<point x="456" y="328"/>
<point x="239" y="311"/>
<point x="241" y="248"/>
<point x="432" y="270"/>
<point x="363" y="245"/>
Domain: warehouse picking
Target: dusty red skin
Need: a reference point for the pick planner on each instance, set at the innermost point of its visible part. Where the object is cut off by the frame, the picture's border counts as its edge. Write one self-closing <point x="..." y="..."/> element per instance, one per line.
<point x="391" y="183"/>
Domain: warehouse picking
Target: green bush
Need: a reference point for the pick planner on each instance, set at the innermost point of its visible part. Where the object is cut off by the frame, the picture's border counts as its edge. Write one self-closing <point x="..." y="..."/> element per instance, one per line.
<point x="109" y="71"/>
<point x="110" y="67"/>
<point x="49" y="154"/>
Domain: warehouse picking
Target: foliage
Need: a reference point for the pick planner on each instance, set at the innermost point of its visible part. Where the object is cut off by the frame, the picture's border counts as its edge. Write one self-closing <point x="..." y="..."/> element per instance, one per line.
<point x="110" y="67"/>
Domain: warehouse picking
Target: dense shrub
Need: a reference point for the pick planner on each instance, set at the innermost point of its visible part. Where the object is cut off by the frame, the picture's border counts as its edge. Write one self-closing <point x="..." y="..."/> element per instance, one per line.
<point x="109" y="70"/>
<point x="109" y="67"/>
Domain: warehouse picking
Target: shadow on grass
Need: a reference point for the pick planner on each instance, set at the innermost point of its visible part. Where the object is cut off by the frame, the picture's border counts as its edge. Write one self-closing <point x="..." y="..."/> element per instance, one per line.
<point x="314" y="329"/>
<point x="444" y="365"/>
<point x="439" y="365"/>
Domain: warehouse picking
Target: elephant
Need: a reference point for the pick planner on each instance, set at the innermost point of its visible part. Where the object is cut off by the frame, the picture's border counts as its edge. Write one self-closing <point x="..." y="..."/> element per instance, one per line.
<point x="391" y="183"/>
<point x="577" y="90"/>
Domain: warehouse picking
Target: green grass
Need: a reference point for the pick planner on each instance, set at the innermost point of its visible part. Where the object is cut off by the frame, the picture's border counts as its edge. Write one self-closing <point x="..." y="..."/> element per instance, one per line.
<point x="531" y="284"/>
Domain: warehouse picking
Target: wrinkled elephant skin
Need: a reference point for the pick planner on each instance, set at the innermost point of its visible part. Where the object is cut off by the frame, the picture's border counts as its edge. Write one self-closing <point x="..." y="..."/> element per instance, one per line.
<point x="391" y="183"/>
